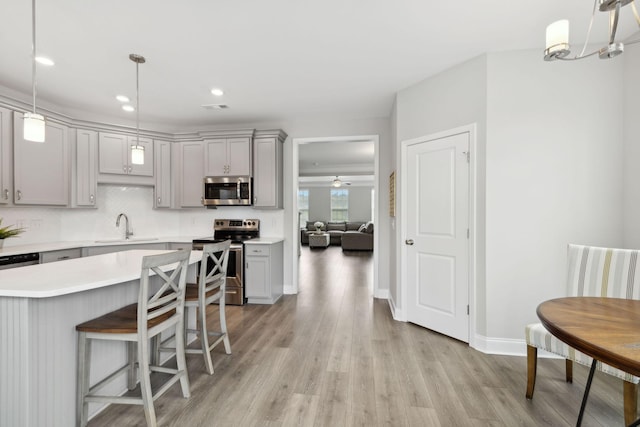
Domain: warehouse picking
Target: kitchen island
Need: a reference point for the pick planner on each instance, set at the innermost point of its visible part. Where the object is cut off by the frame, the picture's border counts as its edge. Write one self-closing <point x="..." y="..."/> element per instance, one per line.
<point x="40" y="306"/>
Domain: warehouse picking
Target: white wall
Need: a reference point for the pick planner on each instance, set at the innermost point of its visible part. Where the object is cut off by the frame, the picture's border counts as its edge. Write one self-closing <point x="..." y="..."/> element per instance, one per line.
<point x="631" y="129"/>
<point x="553" y="177"/>
<point x="549" y="168"/>
<point x="454" y="98"/>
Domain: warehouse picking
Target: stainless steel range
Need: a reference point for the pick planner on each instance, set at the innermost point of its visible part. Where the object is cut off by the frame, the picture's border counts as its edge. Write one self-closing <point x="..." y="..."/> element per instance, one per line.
<point x="238" y="231"/>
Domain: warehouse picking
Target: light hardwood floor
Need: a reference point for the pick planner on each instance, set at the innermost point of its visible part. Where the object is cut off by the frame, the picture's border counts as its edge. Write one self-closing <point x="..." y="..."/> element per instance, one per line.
<point x="333" y="356"/>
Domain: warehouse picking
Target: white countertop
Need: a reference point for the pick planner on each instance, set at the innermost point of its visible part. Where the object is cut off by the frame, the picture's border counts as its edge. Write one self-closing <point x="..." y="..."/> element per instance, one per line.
<point x="57" y="246"/>
<point x="264" y="241"/>
<point x="76" y="275"/>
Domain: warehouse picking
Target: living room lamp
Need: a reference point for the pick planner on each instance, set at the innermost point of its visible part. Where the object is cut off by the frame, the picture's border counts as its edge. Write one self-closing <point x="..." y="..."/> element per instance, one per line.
<point x="557" y="40"/>
<point x="137" y="151"/>
<point x="34" y="128"/>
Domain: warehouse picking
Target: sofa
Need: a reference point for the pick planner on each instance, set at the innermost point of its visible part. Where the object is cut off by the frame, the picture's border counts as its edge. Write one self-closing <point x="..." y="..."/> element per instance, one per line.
<point x="358" y="239"/>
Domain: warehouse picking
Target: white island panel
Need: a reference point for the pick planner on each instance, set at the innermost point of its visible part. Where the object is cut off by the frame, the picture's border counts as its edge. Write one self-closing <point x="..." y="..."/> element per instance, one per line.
<point x="38" y="339"/>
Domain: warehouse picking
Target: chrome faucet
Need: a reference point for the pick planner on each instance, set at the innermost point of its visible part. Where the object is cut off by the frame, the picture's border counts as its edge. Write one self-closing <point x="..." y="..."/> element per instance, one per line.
<point x="127" y="232"/>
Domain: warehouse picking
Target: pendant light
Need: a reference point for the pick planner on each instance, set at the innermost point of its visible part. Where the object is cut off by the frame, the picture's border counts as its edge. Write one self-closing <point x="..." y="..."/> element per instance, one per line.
<point x="137" y="151"/>
<point x="33" y="123"/>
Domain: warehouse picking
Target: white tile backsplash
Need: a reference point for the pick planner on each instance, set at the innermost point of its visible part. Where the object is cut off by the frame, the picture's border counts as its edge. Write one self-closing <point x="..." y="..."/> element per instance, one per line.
<point x="61" y="224"/>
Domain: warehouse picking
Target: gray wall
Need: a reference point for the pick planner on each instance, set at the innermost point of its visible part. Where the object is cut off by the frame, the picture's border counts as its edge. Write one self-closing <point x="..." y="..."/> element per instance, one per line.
<point x="359" y="203"/>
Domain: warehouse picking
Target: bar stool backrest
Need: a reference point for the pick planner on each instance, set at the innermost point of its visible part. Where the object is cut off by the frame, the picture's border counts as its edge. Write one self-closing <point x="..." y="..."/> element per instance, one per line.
<point x="213" y="270"/>
<point x="164" y="307"/>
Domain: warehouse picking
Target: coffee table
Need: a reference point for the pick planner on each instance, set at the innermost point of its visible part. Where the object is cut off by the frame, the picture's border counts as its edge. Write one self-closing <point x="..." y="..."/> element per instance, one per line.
<point x="318" y="240"/>
<point x="607" y="329"/>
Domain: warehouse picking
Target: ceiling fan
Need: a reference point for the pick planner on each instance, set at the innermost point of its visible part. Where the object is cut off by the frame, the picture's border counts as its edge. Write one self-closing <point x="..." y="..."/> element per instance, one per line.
<point x="337" y="182"/>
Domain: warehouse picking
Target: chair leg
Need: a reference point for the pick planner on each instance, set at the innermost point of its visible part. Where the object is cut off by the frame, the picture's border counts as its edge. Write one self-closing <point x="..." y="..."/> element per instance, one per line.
<point x="82" y="384"/>
<point x="132" y="379"/>
<point x="532" y="366"/>
<point x="568" y="365"/>
<point x="181" y="361"/>
<point x="630" y="392"/>
<point x="145" y="382"/>
<point x="223" y="326"/>
<point x="204" y="338"/>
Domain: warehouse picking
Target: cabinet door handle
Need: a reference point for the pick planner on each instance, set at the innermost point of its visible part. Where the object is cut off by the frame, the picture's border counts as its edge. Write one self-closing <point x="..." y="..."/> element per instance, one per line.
<point x="159" y="200"/>
<point x="6" y="194"/>
<point x="124" y="169"/>
<point x="19" y="195"/>
<point x="63" y="258"/>
<point x="92" y="198"/>
<point x="129" y="169"/>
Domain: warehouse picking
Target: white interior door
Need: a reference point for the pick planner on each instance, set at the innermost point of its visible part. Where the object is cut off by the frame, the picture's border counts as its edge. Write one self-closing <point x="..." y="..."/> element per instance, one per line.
<point x="437" y="239"/>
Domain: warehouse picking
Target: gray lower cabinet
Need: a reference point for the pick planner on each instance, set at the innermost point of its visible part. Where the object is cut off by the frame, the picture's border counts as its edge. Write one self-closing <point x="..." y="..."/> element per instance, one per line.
<point x="61" y="255"/>
<point x="263" y="272"/>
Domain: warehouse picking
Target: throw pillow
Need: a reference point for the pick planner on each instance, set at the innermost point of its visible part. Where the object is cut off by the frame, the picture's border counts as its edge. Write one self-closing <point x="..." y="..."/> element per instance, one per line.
<point x="369" y="228"/>
<point x="362" y="228"/>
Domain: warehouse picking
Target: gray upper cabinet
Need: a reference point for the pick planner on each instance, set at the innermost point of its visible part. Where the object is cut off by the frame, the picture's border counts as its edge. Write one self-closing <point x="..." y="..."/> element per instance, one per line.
<point x="86" y="173"/>
<point x="41" y="170"/>
<point x="267" y="169"/>
<point x="191" y="173"/>
<point x="162" y="153"/>
<point x="115" y="155"/>
<point x="228" y="156"/>
<point x="6" y="153"/>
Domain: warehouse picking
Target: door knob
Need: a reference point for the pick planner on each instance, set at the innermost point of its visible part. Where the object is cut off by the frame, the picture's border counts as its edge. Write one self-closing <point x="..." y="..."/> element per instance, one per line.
<point x="409" y="242"/>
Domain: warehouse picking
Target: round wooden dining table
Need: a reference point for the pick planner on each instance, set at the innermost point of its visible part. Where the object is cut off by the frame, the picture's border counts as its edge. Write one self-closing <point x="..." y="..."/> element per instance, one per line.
<point x="607" y="329"/>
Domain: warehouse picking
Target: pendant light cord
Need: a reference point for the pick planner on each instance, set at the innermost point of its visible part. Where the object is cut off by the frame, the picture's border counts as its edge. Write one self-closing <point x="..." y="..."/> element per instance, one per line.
<point x="137" y="104"/>
<point x="33" y="52"/>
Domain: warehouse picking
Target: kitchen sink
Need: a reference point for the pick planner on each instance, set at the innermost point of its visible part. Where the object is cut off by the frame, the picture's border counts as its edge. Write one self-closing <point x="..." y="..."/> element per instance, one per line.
<point x="135" y="239"/>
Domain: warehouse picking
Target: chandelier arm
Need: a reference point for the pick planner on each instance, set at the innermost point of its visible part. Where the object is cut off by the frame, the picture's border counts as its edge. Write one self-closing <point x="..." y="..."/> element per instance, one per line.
<point x="575" y="58"/>
<point x="635" y="12"/>
<point x="586" y="42"/>
<point x="613" y="23"/>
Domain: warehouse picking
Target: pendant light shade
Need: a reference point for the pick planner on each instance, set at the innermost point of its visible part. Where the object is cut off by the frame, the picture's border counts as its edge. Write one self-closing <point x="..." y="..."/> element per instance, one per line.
<point x="33" y="127"/>
<point x="33" y="122"/>
<point x="137" y="150"/>
<point x="137" y="155"/>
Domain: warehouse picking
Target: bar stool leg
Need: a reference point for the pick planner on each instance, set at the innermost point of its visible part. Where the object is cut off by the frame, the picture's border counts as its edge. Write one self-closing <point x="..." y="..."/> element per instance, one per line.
<point x="223" y="327"/>
<point x="82" y="385"/>
<point x="145" y="382"/>
<point x="131" y="358"/>
<point x="204" y="338"/>
<point x="181" y="360"/>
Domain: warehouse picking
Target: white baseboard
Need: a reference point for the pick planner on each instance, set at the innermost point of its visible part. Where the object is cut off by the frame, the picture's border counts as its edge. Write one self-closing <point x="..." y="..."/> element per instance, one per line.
<point x="396" y="313"/>
<point x="288" y="290"/>
<point x="507" y="347"/>
<point x="381" y="294"/>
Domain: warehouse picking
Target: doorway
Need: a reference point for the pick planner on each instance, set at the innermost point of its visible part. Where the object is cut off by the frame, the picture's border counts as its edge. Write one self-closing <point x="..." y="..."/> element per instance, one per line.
<point x="297" y="142"/>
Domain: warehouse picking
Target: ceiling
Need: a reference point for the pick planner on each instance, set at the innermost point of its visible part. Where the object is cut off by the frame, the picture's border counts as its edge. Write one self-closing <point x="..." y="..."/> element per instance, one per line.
<point x="276" y="60"/>
<point x="319" y="163"/>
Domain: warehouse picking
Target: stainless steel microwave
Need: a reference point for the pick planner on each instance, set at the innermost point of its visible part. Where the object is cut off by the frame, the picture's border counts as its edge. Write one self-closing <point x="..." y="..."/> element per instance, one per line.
<point x="227" y="191"/>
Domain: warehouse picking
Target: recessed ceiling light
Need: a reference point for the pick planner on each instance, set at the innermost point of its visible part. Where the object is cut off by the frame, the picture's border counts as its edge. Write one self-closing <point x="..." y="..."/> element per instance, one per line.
<point x="122" y="98"/>
<point x="45" y="61"/>
<point x="128" y="108"/>
<point x="217" y="92"/>
<point x="215" y="106"/>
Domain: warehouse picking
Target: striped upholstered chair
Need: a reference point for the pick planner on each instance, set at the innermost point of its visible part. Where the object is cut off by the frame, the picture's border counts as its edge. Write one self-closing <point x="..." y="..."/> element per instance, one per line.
<point x="596" y="272"/>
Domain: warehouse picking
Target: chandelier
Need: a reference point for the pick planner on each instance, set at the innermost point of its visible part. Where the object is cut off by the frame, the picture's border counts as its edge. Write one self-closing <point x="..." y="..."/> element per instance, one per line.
<point x="557" y="46"/>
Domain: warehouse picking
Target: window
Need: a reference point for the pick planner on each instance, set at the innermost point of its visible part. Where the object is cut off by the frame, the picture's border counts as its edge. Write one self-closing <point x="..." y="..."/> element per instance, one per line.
<point x="339" y="204"/>
<point x="303" y="206"/>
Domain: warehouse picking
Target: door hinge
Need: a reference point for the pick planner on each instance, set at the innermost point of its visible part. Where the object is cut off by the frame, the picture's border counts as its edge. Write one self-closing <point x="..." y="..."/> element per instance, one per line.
<point x="467" y="309"/>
